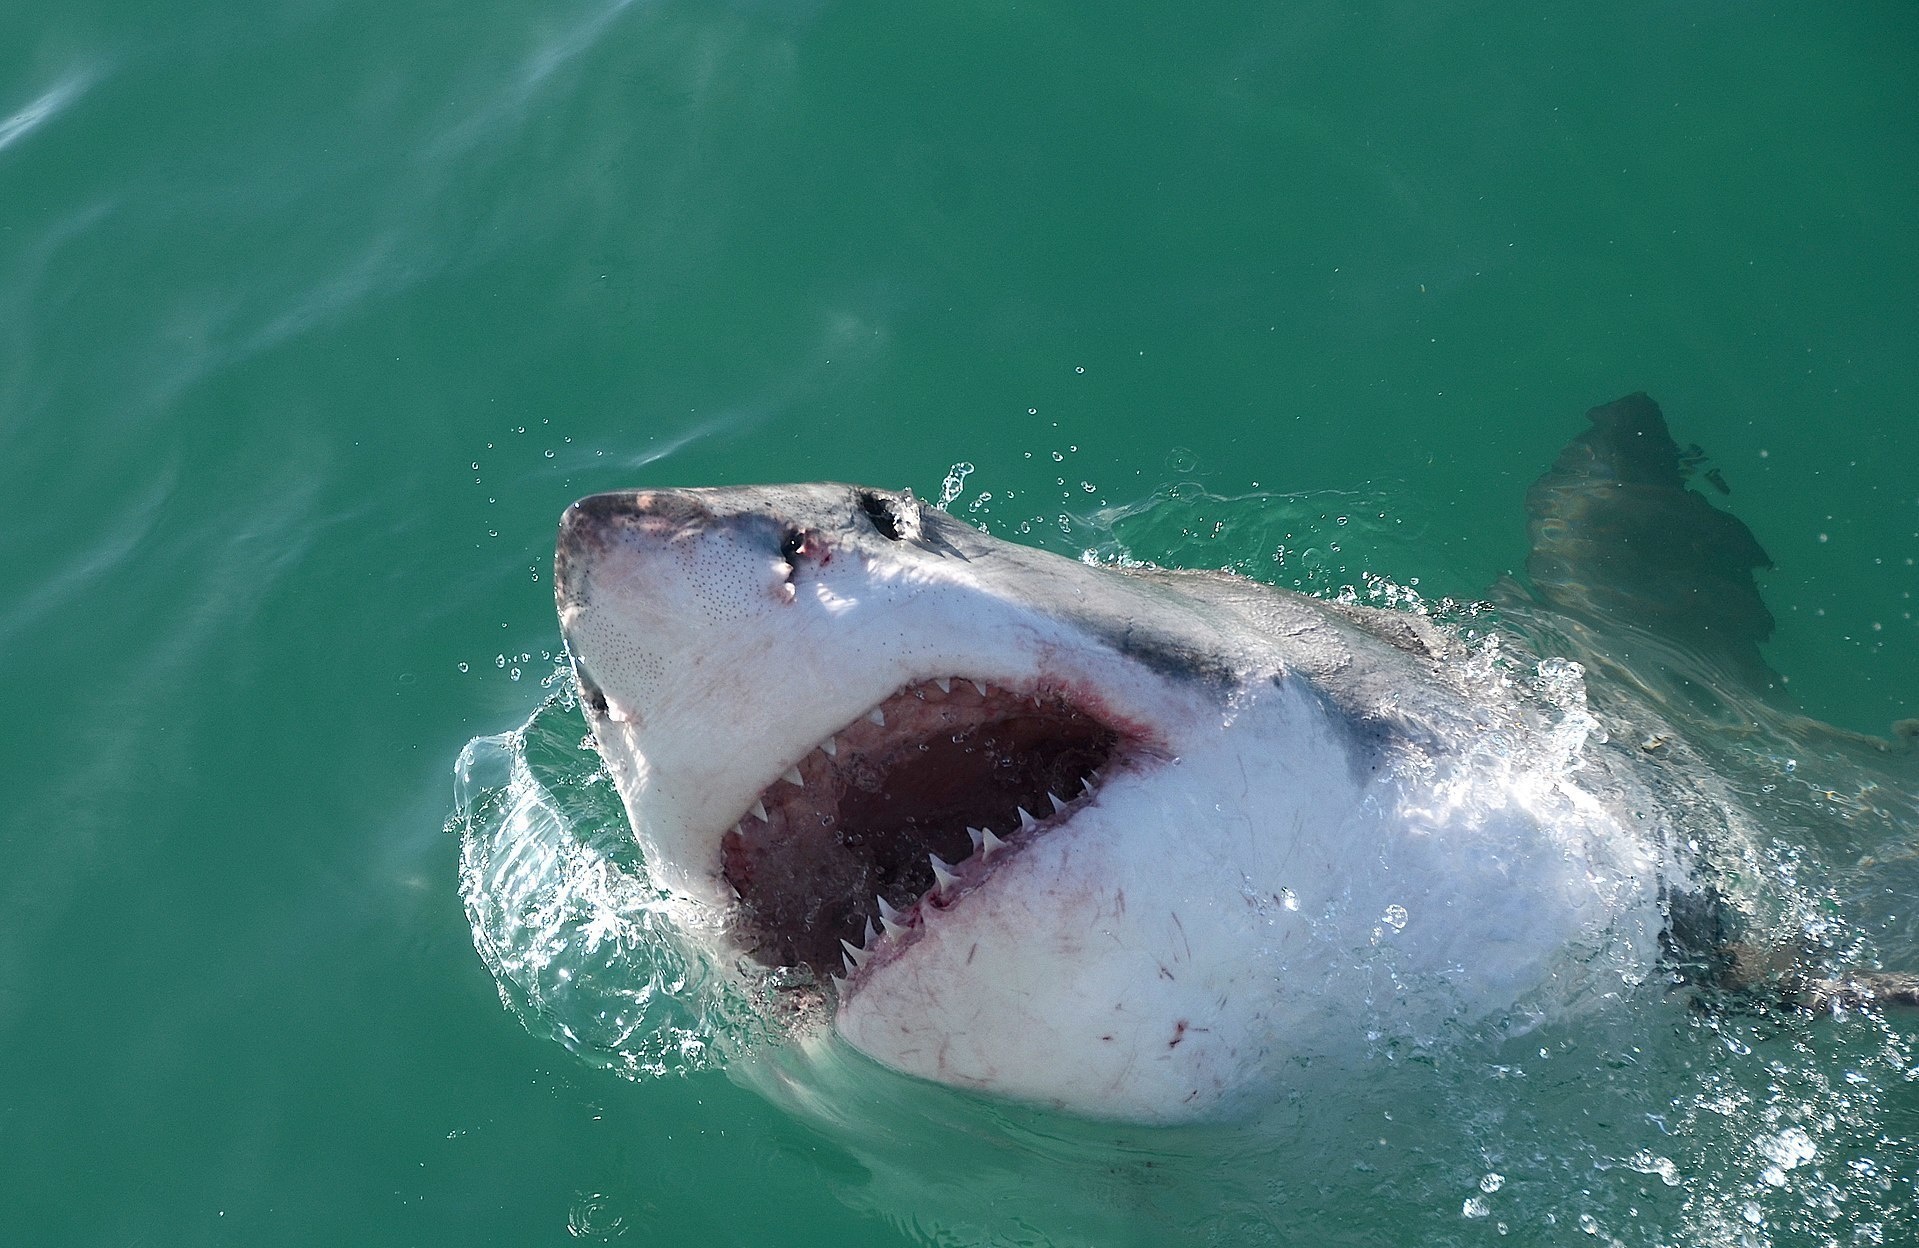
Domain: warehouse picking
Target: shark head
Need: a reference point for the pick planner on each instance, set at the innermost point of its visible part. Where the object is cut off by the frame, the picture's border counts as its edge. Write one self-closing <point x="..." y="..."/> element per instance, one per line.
<point x="1120" y="843"/>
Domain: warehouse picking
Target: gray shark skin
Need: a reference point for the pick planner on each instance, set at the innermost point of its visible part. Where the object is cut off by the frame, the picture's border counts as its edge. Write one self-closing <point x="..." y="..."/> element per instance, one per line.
<point x="1134" y="844"/>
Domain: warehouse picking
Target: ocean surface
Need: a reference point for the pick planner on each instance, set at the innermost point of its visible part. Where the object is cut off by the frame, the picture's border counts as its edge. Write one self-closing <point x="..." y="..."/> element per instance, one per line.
<point x="313" y="317"/>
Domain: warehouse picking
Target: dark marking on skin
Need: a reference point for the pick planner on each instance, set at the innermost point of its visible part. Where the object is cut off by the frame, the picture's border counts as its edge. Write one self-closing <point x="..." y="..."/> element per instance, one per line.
<point x="1108" y="1039"/>
<point x="1179" y="1033"/>
<point x="971" y="952"/>
<point x="1182" y="939"/>
<point x="1119" y="901"/>
<point x="1164" y="973"/>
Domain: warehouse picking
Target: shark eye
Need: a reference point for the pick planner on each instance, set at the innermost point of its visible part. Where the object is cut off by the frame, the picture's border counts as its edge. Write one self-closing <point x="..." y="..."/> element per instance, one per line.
<point x="885" y="515"/>
<point x="793" y="546"/>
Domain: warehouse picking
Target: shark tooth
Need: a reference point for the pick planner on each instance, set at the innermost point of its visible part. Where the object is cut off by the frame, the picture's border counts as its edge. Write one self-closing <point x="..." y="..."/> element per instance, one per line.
<point x="877" y="716"/>
<point x="942" y="874"/>
<point x="887" y="913"/>
<point x="991" y="844"/>
<point x="945" y="684"/>
<point x="889" y="920"/>
<point x="759" y="811"/>
<point x="1054" y="798"/>
<point x="854" y="954"/>
<point x="979" y="838"/>
<point x="839" y="983"/>
<point x="977" y="685"/>
<point x="1087" y="785"/>
<point x="1026" y="822"/>
<point x="792" y="776"/>
<point x="830" y="747"/>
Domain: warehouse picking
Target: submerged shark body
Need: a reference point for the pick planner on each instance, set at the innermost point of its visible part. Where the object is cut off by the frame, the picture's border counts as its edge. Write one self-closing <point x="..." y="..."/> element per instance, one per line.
<point x="1130" y="843"/>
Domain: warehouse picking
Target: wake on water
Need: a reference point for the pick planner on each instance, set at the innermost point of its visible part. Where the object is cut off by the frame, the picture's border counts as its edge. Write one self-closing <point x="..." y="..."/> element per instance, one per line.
<point x="1652" y="1123"/>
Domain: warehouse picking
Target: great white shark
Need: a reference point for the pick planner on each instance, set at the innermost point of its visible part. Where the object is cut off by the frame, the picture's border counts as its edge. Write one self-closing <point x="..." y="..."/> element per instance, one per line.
<point x="1134" y="843"/>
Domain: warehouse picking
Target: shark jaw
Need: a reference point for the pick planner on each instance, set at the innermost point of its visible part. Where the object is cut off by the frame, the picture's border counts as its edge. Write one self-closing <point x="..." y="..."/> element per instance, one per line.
<point x="1132" y="846"/>
<point x="841" y="863"/>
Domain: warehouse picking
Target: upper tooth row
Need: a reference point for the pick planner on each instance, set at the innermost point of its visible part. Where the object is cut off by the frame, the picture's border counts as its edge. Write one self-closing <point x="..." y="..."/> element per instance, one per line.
<point x="1026" y="821"/>
<point x="831" y="746"/>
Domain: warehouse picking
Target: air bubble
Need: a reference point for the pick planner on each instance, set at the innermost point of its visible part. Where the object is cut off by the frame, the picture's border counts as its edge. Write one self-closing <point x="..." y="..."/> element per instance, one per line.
<point x="1646" y="1162"/>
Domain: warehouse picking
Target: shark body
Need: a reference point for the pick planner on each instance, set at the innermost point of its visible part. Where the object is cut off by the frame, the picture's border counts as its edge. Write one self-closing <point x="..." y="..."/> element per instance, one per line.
<point x="1133" y="844"/>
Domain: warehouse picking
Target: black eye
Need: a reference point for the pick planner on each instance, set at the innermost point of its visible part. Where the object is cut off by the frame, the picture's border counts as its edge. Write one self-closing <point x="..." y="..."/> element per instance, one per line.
<point x="884" y="513"/>
<point x="794" y="546"/>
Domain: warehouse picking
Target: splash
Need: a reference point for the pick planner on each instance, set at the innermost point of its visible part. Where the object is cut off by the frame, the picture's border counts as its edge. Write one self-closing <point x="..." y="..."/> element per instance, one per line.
<point x="583" y="946"/>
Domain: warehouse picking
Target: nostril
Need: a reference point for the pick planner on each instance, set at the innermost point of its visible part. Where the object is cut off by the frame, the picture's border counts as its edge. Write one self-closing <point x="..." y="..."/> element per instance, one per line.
<point x="590" y="692"/>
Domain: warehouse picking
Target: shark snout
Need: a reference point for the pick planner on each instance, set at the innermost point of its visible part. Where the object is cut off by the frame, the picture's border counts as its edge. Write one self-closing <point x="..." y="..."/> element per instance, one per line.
<point x="594" y="526"/>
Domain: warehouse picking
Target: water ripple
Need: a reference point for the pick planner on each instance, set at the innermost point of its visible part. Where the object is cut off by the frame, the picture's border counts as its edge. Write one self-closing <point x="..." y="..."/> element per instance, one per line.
<point x="43" y="109"/>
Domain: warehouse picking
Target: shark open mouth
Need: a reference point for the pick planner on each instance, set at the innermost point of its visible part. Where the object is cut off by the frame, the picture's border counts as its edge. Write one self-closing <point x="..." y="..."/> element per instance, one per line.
<point x="905" y="810"/>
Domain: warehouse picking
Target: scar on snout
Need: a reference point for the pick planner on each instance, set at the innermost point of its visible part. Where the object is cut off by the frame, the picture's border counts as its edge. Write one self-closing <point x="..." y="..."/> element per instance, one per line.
<point x="1179" y="1033"/>
<point x="971" y="952"/>
<point x="1164" y="973"/>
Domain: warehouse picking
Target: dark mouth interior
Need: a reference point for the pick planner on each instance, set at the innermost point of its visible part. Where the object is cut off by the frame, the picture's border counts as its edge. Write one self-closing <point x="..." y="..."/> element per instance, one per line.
<point x="890" y="789"/>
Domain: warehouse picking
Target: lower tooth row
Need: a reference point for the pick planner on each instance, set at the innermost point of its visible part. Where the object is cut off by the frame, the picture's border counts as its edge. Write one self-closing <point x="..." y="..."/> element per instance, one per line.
<point x="985" y="844"/>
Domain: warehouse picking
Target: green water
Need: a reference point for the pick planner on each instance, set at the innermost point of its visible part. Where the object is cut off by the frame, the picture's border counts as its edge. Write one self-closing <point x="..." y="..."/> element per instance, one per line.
<point x="313" y="317"/>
